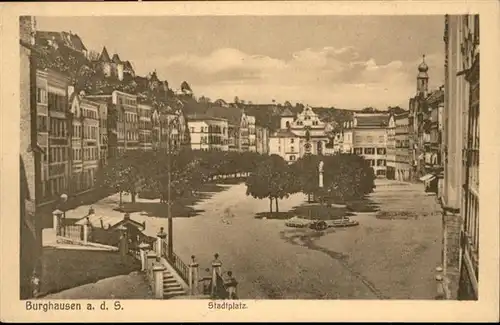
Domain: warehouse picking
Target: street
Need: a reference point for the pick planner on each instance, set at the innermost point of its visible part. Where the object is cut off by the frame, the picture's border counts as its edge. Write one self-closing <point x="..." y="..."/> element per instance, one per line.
<point x="379" y="259"/>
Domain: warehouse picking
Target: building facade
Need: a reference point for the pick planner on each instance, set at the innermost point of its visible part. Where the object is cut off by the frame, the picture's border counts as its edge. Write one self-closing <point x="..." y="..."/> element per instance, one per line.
<point x="370" y="140"/>
<point x="56" y="140"/>
<point x="402" y="148"/>
<point x="304" y="132"/>
<point x="144" y="112"/>
<point x="460" y="150"/>
<point x="208" y="133"/>
<point x="262" y="139"/>
<point x="30" y="156"/>
<point x="391" y="148"/>
<point x="285" y="144"/>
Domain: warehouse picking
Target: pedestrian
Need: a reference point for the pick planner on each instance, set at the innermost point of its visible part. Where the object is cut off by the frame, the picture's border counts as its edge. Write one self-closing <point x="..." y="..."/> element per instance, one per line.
<point x="231" y="284"/>
<point x="206" y="279"/>
<point x="35" y="284"/>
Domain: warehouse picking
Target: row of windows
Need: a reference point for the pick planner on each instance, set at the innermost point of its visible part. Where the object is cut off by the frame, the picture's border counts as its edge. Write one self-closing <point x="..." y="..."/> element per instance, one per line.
<point x="58" y="128"/>
<point x="127" y="101"/>
<point x="88" y="154"/>
<point x="369" y="139"/>
<point x="210" y="129"/>
<point x="377" y="162"/>
<point x="402" y="143"/>
<point x="58" y="154"/>
<point x="52" y="188"/>
<point x="57" y="102"/>
<point x="90" y="114"/>
<point x="369" y="151"/>
<point x="213" y="140"/>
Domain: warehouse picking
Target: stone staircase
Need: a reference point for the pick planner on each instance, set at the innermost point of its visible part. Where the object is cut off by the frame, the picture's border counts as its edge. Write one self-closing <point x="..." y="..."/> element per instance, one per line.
<point x="171" y="286"/>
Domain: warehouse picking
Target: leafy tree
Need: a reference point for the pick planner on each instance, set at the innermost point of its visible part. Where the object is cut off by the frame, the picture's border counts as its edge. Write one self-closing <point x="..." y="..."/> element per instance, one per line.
<point x="271" y="180"/>
<point x="306" y="174"/>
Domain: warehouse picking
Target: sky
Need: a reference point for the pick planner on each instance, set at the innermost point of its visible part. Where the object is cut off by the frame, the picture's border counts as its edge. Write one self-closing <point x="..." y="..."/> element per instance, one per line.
<point x="348" y="62"/>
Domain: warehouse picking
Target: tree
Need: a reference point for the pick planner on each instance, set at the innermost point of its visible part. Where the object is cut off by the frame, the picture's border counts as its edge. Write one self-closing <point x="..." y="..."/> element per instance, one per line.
<point x="271" y="180"/>
<point x="124" y="173"/>
<point x="236" y="100"/>
<point x="306" y="174"/>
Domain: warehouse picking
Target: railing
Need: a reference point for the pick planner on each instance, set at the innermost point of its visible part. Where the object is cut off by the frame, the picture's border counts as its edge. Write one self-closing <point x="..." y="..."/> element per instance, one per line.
<point x="181" y="267"/>
<point x="220" y="290"/>
<point x="71" y="231"/>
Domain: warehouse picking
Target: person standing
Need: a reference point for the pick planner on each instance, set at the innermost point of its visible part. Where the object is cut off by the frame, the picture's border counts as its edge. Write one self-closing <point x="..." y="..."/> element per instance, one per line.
<point x="231" y="285"/>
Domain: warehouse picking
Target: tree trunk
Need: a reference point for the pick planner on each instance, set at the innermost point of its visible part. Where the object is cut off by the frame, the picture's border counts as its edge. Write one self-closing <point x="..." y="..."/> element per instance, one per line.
<point x="133" y="194"/>
<point x="277" y="208"/>
<point x="121" y="199"/>
<point x="309" y="198"/>
<point x="271" y="205"/>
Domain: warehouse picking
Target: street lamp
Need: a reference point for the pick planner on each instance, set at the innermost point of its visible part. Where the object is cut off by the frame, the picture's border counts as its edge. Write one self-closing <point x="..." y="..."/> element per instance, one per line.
<point x="169" y="124"/>
<point x="63" y="199"/>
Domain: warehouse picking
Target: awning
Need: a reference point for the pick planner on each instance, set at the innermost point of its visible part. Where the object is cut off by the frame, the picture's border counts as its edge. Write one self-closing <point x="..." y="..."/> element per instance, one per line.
<point x="427" y="178"/>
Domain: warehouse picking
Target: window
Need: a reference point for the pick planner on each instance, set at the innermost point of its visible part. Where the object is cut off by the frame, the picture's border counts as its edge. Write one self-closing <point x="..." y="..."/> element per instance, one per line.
<point x="381" y="139"/>
<point x="380" y="151"/>
<point x="292" y="140"/>
<point x="369" y="139"/>
<point x="292" y="149"/>
<point x="292" y="158"/>
<point x="41" y="96"/>
<point x="358" y="151"/>
<point x="381" y="162"/>
<point x="369" y="151"/>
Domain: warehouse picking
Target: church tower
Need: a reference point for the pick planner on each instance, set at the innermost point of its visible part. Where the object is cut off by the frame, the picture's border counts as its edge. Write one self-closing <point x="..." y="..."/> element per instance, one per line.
<point x="422" y="78"/>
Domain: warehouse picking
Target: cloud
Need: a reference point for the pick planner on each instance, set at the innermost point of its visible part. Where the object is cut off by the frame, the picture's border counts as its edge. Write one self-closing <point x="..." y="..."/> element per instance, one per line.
<point x="318" y="76"/>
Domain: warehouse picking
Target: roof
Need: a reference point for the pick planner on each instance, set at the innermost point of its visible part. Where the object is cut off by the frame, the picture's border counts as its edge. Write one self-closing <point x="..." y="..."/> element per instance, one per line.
<point x="287" y="113"/>
<point x="104" y="57"/>
<point x="116" y="58"/>
<point x="112" y="222"/>
<point x="372" y="120"/>
<point x="204" y="117"/>
<point x="436" y="96"/>
<point x="283" y="134"/>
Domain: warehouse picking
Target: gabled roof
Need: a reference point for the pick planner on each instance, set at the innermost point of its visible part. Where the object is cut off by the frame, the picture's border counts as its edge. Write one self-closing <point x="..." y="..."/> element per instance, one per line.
<point x="372" y="120"/>
<point x="287" y="113"/>
<point x="116" y="58"/>
<point x="104" y="57"/>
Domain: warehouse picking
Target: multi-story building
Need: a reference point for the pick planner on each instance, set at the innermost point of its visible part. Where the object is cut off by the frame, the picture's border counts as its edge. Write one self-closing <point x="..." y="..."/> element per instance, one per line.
<point x="252" y="140"/>
<point x="103" y="133"/>
<point x="402" y="150"/>
<point x="244" y="133"/>
<point x="460" y="199"/>
<point x="144" y="111"/>
<point x="391" y="148"/>
<point x="90" y="142"/>
<point x="262" y="139"/>
<point x="84" y="143"/>
<point x="285" y="143"/>
<point x="52" y="100"/>
<point x="127" y="121"/>
<point x="370" y="140"/>
<point x="309" y="134"/>
<point x="30" y="156"/>
<point x="208" y="133"/>
<point x="347" y="137"/>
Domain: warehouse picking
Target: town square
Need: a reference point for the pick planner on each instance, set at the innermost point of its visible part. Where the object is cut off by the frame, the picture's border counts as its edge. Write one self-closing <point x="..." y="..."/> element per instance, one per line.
<point x="329" y="166"/>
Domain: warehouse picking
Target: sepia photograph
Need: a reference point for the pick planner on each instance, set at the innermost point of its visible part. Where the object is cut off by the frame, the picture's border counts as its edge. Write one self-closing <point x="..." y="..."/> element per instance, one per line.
<point x="230" y="158"/>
